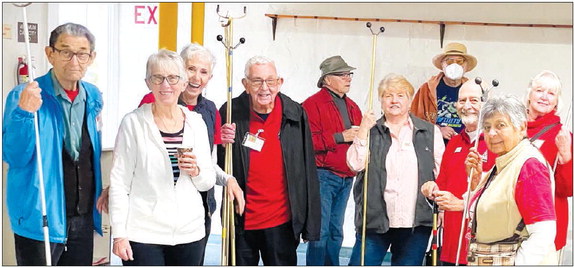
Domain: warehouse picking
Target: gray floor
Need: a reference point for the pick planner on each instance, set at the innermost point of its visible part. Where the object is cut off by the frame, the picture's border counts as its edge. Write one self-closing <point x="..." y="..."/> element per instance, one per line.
<point x="213" y="253"/>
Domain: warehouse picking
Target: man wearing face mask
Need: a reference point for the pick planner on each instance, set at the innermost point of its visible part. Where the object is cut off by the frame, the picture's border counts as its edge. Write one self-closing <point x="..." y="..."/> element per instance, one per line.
<point x="435" y="100"/>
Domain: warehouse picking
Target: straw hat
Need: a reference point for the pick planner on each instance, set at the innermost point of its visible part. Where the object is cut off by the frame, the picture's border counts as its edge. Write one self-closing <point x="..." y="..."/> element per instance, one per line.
<point x="455" y="49"/>
<point x="331" y="65"/>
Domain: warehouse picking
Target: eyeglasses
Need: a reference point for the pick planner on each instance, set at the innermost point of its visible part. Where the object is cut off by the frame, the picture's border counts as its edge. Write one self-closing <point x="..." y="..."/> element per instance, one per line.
<point x="259" y="82"/>
<point x="66" y="54"/>
<point x="458" y="61"/>
<point x="157" y="79"/>
<point x="343" y="75"/>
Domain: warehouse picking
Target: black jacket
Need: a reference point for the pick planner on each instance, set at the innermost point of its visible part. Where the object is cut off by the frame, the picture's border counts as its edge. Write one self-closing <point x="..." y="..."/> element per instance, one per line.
<point x="298" y="158"/>
<point x="379" y="144"/>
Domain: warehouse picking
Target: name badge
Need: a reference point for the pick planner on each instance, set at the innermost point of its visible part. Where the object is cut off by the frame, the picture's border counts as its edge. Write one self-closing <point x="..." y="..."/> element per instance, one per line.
<point x="458" y="149"/>
<point x="253" y="141"/>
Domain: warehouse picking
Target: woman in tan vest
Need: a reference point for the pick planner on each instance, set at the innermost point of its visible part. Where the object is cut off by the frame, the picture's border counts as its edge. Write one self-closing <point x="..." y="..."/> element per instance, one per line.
<point x="520" y="188"/>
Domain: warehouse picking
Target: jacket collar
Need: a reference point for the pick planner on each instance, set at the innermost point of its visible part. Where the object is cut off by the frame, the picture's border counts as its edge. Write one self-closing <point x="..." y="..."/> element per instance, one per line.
<point x="93" y="101"/>
<point x="418" y="124"/>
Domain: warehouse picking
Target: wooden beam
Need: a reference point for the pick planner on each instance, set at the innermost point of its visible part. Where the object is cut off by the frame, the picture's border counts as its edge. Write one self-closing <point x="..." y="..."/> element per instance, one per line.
<point x="280" y="16"/>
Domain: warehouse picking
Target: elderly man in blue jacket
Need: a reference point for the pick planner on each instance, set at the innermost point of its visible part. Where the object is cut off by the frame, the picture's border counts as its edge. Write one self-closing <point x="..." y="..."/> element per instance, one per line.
<point x="68" y="111"/>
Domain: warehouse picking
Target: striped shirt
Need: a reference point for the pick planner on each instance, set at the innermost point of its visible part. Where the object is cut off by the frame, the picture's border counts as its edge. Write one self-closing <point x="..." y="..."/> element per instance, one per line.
<point x="172" y="141"/>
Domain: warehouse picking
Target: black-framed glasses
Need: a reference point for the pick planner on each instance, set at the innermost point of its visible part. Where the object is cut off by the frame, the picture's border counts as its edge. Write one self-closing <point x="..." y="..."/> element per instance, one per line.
<point x="259" y="82"/>
<point x="157" y="79"/>
<point x="66" y="54"/>
<point x="344" y="75"/>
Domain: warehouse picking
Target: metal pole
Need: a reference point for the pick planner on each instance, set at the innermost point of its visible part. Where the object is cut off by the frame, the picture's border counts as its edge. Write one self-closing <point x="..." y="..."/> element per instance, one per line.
<point x="366" y="176"/>
<point x="37" y="137"/>
<point x="434" y="244"/>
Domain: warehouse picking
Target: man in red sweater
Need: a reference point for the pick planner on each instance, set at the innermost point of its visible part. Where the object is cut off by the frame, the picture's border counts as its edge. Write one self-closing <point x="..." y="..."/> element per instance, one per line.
<point x="332" y="115"/>
<point x="451" y="182"/>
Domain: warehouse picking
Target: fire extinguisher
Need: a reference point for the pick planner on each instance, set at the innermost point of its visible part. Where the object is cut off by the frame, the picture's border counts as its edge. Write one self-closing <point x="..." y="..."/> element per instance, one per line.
<point x="22" y="71"/>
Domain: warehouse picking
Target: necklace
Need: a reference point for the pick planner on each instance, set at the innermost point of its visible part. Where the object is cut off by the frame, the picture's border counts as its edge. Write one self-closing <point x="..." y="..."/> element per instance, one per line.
<point x="168" y="128"/>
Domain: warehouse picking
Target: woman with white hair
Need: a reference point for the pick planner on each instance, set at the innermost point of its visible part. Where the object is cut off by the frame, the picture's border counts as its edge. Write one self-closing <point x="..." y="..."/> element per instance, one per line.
<point x="156" y="209"/>
<point x="554" y="141"/>
<point x="516" y="193"/>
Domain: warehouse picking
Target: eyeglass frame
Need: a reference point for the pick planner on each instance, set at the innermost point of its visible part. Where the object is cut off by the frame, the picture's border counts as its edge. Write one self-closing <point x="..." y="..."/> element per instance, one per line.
<point x="343" y="74"/>
<point x="458" y="61"/>
<point x="77" y="54"/>
<point x="263" y="81"/>
<point x="163" y="78"/>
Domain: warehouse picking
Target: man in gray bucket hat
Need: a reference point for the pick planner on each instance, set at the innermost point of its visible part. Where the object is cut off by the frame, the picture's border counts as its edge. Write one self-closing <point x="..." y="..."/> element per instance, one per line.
<point x="332" y="117"/>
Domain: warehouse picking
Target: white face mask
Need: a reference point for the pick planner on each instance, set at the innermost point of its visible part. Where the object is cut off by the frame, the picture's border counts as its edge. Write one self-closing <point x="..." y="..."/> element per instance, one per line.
<point x="454" y="71"/>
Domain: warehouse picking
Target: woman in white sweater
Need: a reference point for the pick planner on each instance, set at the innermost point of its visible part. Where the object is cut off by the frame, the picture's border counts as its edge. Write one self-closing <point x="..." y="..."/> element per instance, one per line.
<point x="156" y="210"/>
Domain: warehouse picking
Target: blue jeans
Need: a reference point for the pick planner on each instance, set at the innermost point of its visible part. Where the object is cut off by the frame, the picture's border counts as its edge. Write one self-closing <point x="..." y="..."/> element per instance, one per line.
<point x="335" y="192"/>
<point x="408" y="246"/>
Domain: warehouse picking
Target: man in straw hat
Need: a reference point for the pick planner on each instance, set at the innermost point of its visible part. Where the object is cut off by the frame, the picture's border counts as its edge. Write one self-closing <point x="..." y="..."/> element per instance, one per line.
<point x="332" y="116"/>
<point x="435" y="99"/>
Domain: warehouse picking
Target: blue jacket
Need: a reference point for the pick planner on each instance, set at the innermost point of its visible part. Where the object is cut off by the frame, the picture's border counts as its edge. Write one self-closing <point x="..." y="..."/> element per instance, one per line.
<point x="22" y="193"/>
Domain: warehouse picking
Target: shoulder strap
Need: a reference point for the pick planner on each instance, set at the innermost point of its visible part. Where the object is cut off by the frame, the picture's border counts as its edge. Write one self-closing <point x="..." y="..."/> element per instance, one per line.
<point x="543" y="131"/>
<point x="490" y="178"/>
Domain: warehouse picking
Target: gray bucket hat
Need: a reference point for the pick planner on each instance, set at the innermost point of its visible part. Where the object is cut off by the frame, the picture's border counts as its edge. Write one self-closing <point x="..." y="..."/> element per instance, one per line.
<point x="331" y="65"/>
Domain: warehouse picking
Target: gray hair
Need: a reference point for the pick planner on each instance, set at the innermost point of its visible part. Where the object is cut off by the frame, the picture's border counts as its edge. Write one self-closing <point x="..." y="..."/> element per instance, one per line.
<point x="195" y="49"/>
<point x="74" y="30"/>
<point x="166" y="59"/>
<point x="507" y="105"/>
<point x="548" y="80"/>
<point x="258" y="60"/>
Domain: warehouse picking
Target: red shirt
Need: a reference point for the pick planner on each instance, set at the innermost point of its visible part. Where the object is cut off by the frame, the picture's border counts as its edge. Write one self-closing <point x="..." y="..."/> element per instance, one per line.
<point x="149" y="98"/>
<point x="72" y="94"/>
<point x="267" y="200"/>
<point x="453" y="178"/>
<point x="562" y="174"/>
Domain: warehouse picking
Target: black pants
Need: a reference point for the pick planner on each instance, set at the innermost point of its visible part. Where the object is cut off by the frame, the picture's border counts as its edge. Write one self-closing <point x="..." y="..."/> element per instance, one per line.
<point x="79" y="249"/>
<point x="203" y="241"/>
<point x="277" y="245"/>
<point x="189" y="254"/>
<point x="451" y="264"/>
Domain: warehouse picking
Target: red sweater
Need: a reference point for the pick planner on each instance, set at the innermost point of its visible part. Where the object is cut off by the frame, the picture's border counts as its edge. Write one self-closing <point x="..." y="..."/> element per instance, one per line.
<point x="562" y="174"/>
<point x="452" y="178"/>
<point x="267" y="200"/>
<point x="324" y="121"/>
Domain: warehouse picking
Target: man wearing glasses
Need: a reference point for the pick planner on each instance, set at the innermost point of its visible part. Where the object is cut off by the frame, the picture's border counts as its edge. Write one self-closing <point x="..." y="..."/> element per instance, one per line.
<point x="68" y="111"/>
<point x="333" y="119"/>
<point x="435" y="100"/>
<point x="273" y="162"/>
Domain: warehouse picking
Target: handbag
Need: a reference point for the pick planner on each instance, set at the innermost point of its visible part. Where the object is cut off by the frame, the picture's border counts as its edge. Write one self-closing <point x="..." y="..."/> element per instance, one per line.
<point x="502" y="252"/>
